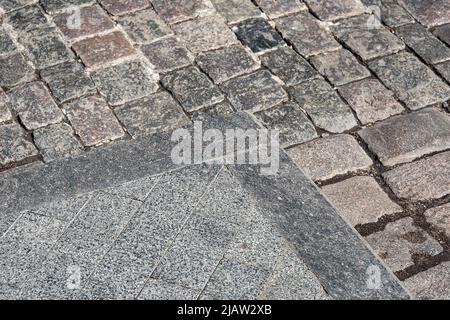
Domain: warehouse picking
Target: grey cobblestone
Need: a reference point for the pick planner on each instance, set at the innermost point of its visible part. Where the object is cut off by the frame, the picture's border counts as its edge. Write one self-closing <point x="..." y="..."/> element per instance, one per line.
<point x="14" y="70"/>
<point x="53" y="6"/>
<point x="444" y="70"/>
<point x="5" y="113"/>
<point x="439" y="218"/>
<point x="392" y="14"/>
<point x="11" y="5"/>
<point x="220" y="109"/>
<point x="279" y="8"/>
<point x="6" y="43"/>
<point x="26" y="19"/>
<point x="14" y="145"/>
<point x="236" y="10"/>
<point x="124" y="6"/>
<point x="443" y="33"/>
<point x="430" y="14"/>
<point x="334" y="10"/>
<point x="179" y="10"/>
<point x="431" y="284"/>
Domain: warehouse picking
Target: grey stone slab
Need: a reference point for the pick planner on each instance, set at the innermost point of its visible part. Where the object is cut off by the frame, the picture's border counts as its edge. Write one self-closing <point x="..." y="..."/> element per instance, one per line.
<point x="306" y="34"/>
<point x="439" y="218"/>
<point x="424" y="43"/>
<point x="254" y="92"/>
<point x="405" y="138"/>
<point x="224" y="64"/>
<point x="280" y="8"/>
<point x="335" y="10"/>
<point x="137" y="190"/>
<point x="220" y="109"/>
<point x="399" y="241"/>
<point x="236" y="10"/>
<point x="179" y="10"/>
<point x="5" y="112"/>
<point x="429" y="13"/>
<point x="27" y="18"/>
<point x="412" y="81"/>
<point x="324" y="106"/>
<point x="64" y="210"/>
<point x="443" y="33"/>
<point x="161" y="290"/>
<point x="289" y="66"/>
<point x="292" y="123"/>
<point x="431" y="284"/>
<point x="444" y="70"/>
<point x="424" y="179"/>
<point x="6" y="43"/>
<point x="325" y="158"/>
<point x="392" y="14"/>
<point x="14" y="144"/>
<point x="14" y="70"/>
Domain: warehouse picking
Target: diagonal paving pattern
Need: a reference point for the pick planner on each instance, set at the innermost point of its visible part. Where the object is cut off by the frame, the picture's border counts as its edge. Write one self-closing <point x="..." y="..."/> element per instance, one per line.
<point x="359" y="90"/>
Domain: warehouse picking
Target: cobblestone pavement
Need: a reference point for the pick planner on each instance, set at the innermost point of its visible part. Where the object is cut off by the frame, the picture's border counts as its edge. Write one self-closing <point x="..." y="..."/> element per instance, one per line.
<point x="359" y="90"/>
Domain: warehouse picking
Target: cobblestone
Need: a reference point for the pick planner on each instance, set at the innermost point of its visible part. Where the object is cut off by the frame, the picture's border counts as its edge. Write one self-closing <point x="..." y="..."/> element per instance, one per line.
<point x="5" y="113"/>
<point x="6" y="43"/>
<point x="443" y="33"/>
<point x="27" y="19"/>
<point x="429" y="13"/>
<point x="334" y="10"/>
<point x="10" y="5"/>
<point x="236" y="10"/>
<point x="280" y="8"/>
<point x="52" y="6"/>
<point x="220" y="109"/>
<point x="392" y="14"/>
<point x="444" y="70"/>
<point x="14" y="145"/>
<point x="439" y="218"/>
<point x="124" y="6"/>
<point x="431" y="284"/>
<point x="180" y="10"/>
<point x="14" y="70"/>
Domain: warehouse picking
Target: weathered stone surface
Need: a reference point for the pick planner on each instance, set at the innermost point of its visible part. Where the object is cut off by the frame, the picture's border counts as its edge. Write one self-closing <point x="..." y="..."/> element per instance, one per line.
<point x="161" y="290"/>
<point x="405" y="138"/>
<point x="203" y="34"/>
<point x="192" y="88"/>
<point x="167" y="54"/>
<point x="429" y="13"/>
<point x="236" y="10"/>
<point x="126" y="81"/>
<point x="67" y="81"/>
<point x="360" y="200"/>
<point x="289" y="66"/>
<point x="52" y="6"/>
<point x="432" y="284"/>
<point x="224" y="64"/>
<point x="180" y="10"/>
<point x="35" y="105"/>
<point x="367" y="37"/>
<point x="92" y="20"/>
<point x="444" y="70"/>
<point x="121" y="7"/>
<point x="14" y="70"/>
<point x="56" y="141"/>
<point x="280" y="8"/>
<point x="93" y="121"/>
<point x="254" y="92"/>
<point x="325" y="158"/>
<point x="292" y="123"/>
<point x="306" y="35"/>
<point x="443" y="33"/>
<point x="258" y="35"/>
<point x="13" y="144"/>
<point x="392" y="14"/>
<point x="26" y="19"/>
<point x="324" y="106"/>
<point x="424" y="179"/>
<point x="370" y="100"/>
<point x="412" y="81"/>
<point x="400" y="241"/>
<point x="10" y="5"/>
<point x="144" y="26"/>
<point x="157" y="113"/>
<point x="334" y="10"/>
<point x="219" y="110"/>
<point x="5" y="113"/>
<point x="439" y="218"/>
<point x="422" y="41"/>
<point x="6" y="43"/>
<point x="104" y="48"/>
<point x="340" y="67"/>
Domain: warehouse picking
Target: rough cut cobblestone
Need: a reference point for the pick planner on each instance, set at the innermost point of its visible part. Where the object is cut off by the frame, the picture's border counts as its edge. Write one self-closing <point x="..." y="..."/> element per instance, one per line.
<point x="334" y="10"/>
<point x="224" y="64"/>
<point x="405" y="138"/>
<point x="412" y="81"/>
<point x="370" y="100"/>
<point x="254" y="92"/>
<point x="443" y="33"/>
<point x="125" y="82"/>
<point x="431" y="284"/>
<point x="14" y="145"/>
<point x="429" y="13"/>
<point x="180" y="10"/>
<point x="444" y="70"/>
<point x="439" y="218"/>
<point x="5" y="113"/>
<point x="360" y="200"/>
<point x="157" y="113"/>
<point x="93" y="121"/>
<point x="306" y="35"/>
<point x="6" y="43"/>
<point x="10" y="5"/>
<point x="392" y="14"/>
<point x="236" y="10"/>
<point x="324" y="106"/>
<point x="421" y="180"/>
<point x="35" y="105"/>
<point x="222" y="109"/>
<point x="56" y="141"/>
<point x="399" y="241"/>
<point x="14" y="70"/>
<point x="123" y="6"/>
<point x="292" y="123"/>
<point x="27" y="19"/>
<point x="192" y="88"/>
<point x="53" y="6"/>
<point x="279" y="8"/>
<point x="325" y="158"/>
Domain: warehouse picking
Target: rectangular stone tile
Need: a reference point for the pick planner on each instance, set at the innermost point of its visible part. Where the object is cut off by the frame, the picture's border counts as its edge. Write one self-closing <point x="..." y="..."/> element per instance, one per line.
<point x="306" y="34"/>
<point x="431" y="284"/>
<point x="27" y="19"/>
<point x="104" y="48"/>
<point x="167" y="54"/>
<point x="93" y="121"/>
<point x="324" y="106"/>
<point x="161" y="290"/>
<point x="144" y="26"/>
<point x="340" y="67"/>
<point x="192" y="88"/>
<point x="399" y="241"/>
<point x="258" y="35"/>
<point x="256" y="91"/>
<point x="370" y="100"/>
<point x="67" y="81"/>
<point x="405" y="138"/>
<point x="5" y="113"/>
<point x="64" y="210"/>
<point x="360" y="200"/>
<point x="291" y="122"/>
<point x="421" y="180"/>
<point x="335" y="10"/>
<point x="236" y="10"/>
<point x="424" y="43"/>
<point x="224" y="64"/>
<point x="367" y="37"/>
<point x="429" y="13"/>
<point x="180" y="10"/>
<point x="124" y="6"/>
<point x="443" y="33"/>
<point x="391" y="13"/>
<point x="280" y="8"/>
<point x="289" y="66"/>
<point x="35" y="106"/>
<point x="53" y="6"/>
<point x="7" y="45"/>
<point x="14" y="70"/>
<point x="413" y="82"/>
<point x="204" y="34"/>
<point x="15" y="146"/>
<point x="125" y="82"/>
<point x="439" y="218"/>
<point x="138" y="189"/>
<point x="157" y="113"/>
